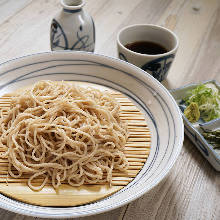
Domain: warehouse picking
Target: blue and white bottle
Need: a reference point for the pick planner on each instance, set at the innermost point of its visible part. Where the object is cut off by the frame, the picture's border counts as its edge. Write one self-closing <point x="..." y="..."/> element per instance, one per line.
<point x="72" y="28"/>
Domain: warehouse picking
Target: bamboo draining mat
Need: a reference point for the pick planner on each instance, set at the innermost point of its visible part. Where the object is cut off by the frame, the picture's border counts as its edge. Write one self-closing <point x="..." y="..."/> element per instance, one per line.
<point x="137" y="150"/>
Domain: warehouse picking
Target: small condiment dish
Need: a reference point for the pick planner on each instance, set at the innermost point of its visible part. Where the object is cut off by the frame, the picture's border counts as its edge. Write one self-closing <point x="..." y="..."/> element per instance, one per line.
<point x="193" y="130"/>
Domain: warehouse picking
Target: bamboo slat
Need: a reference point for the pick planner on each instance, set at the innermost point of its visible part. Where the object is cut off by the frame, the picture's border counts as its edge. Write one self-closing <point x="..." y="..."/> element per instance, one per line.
<point x="137" y="150"/>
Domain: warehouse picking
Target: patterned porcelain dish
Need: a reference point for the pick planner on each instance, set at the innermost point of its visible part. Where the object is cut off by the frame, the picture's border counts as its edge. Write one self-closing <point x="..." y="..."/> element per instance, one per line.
<point x="156" y="64"/>
<point x="159" y="107"/>
<point x="193" y="130"/>
<point x="72" y="28"/>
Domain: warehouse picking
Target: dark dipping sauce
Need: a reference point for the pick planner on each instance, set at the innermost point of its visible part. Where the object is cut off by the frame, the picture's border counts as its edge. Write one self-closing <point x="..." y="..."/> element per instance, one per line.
<point x="146" y="47"/>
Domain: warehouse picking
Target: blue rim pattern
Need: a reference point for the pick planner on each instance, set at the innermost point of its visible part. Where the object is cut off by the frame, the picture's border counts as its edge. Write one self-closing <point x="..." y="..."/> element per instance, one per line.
<point x="72" y="11"/>
<point x="140" y="102"/>
<point x="19" y="79"/>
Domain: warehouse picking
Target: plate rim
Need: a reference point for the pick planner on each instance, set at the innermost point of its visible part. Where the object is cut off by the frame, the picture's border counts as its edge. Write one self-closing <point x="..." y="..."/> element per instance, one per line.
<point x="141" y="72"/>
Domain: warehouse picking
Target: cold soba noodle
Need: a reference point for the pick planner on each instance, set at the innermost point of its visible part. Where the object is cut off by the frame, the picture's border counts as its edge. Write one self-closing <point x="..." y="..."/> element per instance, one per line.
<point x="65" y="133"/>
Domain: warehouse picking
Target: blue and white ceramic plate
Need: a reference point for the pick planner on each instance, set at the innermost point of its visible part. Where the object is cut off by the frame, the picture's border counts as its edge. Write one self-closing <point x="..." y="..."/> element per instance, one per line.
<point x="159" y="107"/>
<point x="192" y="130"/>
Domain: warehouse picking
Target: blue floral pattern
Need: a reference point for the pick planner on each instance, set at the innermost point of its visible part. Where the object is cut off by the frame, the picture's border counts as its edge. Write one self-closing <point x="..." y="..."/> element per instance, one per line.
<point x="158" y="68"/>
<point x="122" y="57"/>
<point x="59" y="38"/>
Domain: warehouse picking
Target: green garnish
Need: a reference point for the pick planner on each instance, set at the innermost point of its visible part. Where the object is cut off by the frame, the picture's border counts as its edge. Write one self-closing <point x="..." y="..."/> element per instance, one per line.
<point x="207" y="97"/>
<point x="192" y="112"/>
<point x="213" y="137"/>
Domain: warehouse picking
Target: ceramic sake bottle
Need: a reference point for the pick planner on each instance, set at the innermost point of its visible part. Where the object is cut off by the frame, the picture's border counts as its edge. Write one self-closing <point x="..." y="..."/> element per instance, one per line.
<point x="72" y="28"/>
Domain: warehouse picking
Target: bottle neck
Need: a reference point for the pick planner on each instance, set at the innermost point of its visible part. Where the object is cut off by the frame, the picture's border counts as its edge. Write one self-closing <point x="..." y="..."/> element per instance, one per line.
<point x="72" y="5"/>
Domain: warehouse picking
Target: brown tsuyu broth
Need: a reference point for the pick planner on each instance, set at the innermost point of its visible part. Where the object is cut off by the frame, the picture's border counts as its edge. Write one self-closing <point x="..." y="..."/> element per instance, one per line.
<point x="146" y="47"/>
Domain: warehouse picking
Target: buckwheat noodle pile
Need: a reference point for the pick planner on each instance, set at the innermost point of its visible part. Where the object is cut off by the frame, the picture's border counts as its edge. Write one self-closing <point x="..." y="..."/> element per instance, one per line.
<point x="63" y="133"/>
